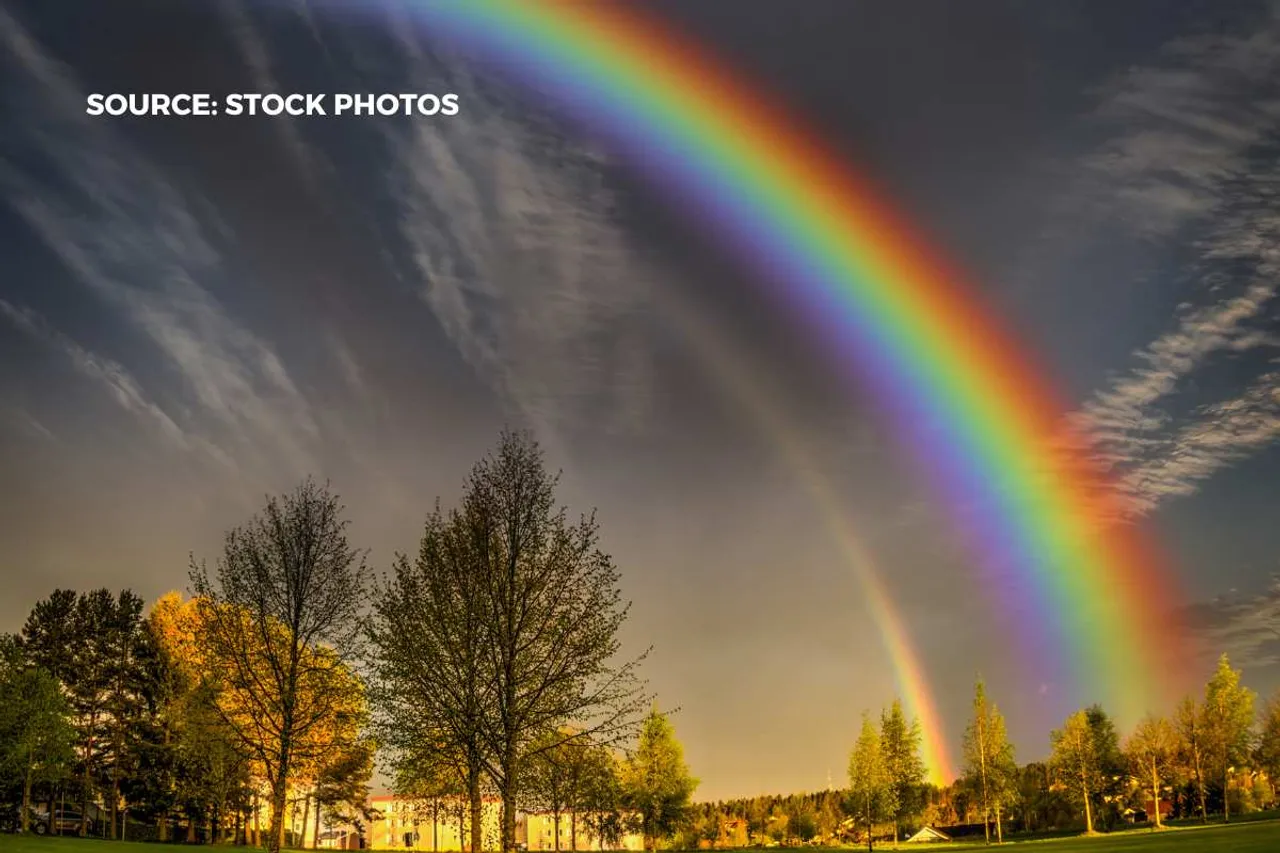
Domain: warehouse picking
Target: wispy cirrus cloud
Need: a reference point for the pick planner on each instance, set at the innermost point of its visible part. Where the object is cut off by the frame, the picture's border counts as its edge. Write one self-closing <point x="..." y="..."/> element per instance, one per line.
<point x="254" y="50"/>
<point x="1246" y="627"/>
<point x="135" y="241"/>
<point x="111" y="375"/>
<point x="1196" y="161"/>
<point x="510" y="236"/>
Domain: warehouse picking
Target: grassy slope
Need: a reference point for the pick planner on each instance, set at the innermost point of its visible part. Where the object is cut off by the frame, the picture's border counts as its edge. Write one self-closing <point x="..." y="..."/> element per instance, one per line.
<point x="1259" y="837"/>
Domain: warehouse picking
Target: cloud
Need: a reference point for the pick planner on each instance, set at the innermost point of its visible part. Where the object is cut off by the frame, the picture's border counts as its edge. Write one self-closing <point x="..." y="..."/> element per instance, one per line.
<point x="1247" y="628"/>
<point x="121" y="385"/>
<point x="510" y="235"/>
<point x="253" y="47"/>
<point x="134" y="240"/>
<point x="1196" y="161"/>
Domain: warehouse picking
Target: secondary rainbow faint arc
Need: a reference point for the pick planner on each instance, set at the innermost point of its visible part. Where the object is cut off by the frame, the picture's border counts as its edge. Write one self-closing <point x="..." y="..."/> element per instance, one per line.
<point x="984" y="423"/>
<point x="730" y="372"/>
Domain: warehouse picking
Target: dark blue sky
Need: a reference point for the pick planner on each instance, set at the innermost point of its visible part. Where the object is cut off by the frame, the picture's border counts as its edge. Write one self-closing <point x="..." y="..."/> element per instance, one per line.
<point x="195" y="312"/>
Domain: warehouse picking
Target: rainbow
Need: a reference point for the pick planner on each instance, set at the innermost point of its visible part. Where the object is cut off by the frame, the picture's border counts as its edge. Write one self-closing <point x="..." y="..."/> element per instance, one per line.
<point x="1089" y="597"/>
<point x="734" y="377"/>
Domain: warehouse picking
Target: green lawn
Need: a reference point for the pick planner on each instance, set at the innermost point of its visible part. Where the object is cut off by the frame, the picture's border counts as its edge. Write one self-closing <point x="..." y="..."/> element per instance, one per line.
<point x="1257" y="837"/>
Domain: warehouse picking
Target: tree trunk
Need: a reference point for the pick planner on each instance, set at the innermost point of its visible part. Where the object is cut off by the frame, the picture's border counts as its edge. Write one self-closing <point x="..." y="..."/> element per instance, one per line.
<point x="1088" y="812"/>
<point x="509" y="801"/>
<point x="477" y="811"/>
<point x="435" y="822"/>
<point x="1204" y="810"/>
<point x="316" y="844"/>
<point x="114" y="811"/>
<point x="257" y="820"/>
<point x="306" y="816"/>
<point x="88" y="764"/>
<point x="555" y="828"/>
<point x="1226" y="796"/>
<point x="279" y="797"/>
<point x="1155" y="792"/>
<point x="25" y="824"/>
<point x="999" y="826"/>
<point x="573" y="830"/>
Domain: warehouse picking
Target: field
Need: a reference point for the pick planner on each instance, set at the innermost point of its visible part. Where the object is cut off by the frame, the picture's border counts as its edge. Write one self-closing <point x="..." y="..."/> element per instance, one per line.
<point x="1256" y="837"/>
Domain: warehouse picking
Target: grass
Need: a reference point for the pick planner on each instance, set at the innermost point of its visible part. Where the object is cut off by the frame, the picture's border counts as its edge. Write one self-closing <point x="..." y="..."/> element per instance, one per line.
<point x="1245" y="837"/>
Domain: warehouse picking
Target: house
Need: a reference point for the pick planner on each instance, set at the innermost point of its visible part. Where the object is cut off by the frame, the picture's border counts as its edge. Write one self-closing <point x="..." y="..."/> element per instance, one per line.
<point x="927" y="835"/>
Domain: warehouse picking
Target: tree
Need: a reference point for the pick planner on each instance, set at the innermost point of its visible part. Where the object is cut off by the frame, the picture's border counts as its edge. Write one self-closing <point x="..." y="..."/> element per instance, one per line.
<point x="655" y="780"/>
<point x="432" y="685"/>
<point x="1151" y="751"/>
<point x="1228" y="724"/>
<point x="342" y="785"/>
<point x="37" y="742"/>
<point x="1269" y="740"/>
<point x="989" y="763"/>
<point x="559" y="776"/>
<point x="277" y="619"/>
<point x="1075" y="755"/>
<point x="871" y="794"/>
<point x="900" y="745"/>
<point x="1189" y="722"/>
<point x="552" y="609"/>
<point x="602" y="799"/>
<point x="1109" y="760"/>
<point x="124" y="700"/>
<point x="78" y="639"/>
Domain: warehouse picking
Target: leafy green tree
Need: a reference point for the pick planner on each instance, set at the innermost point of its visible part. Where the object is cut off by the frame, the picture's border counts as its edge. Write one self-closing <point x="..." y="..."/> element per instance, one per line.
<point x="432" y="688"/>
<point x="1152" y="750"/>
<point x="871" y="793"/>
<point x="75" y="638"/>
<point x="553" y="611"/>
<point x="900" y="744"/>
<point x="602" y="799"/>
<point x="989" y="761"/>
<point x="1189" y="721"/>
<point x="1075" y="755"/>
<point x="124" y="700"/>
<point x="1269" y="740"/>
<point x="1228" y="724"/>
<point x="37" y="742"/>
<point x="655" y="780"/>
<point x="1112" y="773"/>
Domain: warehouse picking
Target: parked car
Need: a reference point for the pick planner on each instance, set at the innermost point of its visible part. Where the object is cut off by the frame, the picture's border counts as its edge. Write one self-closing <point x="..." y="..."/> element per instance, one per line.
<point x="11" y="819"/>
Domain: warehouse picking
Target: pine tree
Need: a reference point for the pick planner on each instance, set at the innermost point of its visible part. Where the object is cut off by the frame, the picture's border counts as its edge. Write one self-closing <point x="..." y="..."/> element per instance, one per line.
<point x="870" y="786"/>
<point x="900" y="744"/>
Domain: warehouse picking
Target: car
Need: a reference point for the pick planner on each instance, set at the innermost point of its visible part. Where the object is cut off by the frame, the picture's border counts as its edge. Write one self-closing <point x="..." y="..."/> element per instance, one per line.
<point x="11" y="819"/>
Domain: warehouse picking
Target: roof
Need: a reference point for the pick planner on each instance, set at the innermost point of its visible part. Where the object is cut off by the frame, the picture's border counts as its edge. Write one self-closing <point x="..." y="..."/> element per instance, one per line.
<point x="929" y="834"/>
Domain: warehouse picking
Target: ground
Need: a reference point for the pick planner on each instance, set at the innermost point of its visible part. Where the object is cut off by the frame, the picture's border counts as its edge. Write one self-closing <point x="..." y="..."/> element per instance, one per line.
<point x="1257" y="837"/>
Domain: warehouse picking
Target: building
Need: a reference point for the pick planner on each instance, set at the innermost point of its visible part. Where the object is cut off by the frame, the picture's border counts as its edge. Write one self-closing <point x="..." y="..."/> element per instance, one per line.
<point x="537" y="831"/>
<point x="928" y="835"/>
<point x="440" y="824"/>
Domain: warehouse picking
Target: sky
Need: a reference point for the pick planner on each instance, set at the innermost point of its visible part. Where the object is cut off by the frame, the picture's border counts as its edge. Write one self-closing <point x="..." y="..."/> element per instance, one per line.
<point x="195" y="313"/>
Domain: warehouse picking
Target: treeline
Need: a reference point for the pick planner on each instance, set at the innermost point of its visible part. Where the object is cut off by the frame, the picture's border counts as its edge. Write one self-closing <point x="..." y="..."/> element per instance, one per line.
<point x="487" y="663"/>
<point x="1217" y="755"/>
